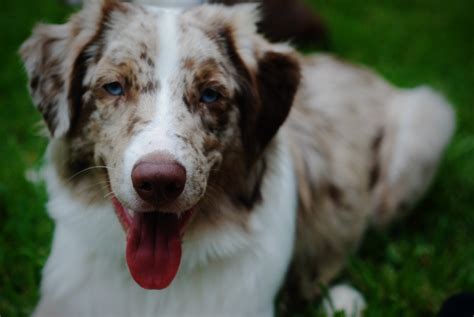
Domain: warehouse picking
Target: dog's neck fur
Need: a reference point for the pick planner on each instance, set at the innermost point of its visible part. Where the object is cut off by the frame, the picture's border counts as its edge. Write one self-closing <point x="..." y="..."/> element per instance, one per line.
<point x="212" y="255"/>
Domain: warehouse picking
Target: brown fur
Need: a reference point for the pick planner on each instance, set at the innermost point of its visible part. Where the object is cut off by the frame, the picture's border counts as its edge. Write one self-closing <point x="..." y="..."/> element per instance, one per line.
<point x="293" y="20"/>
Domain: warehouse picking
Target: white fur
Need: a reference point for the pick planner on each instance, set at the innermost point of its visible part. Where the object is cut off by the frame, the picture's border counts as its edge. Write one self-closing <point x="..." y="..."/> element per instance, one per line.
<point x="420" y="110"/>
<point x="421" y="123"/>
<point x="227" y="272"/>
<point x="343" y="298"/>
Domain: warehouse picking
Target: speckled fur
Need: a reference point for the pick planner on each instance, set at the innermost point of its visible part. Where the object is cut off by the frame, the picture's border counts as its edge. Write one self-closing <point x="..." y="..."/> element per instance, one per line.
<point x="361" y="151"/>
<point x="344" y="158"/>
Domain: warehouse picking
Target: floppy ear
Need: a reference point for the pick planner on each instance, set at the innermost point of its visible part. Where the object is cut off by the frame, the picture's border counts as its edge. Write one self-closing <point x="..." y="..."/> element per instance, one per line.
<point x="278" y="78"/>
<point x="269" y="77"/>
<point x="54" y="58"/>
<point x="44" y="55"/>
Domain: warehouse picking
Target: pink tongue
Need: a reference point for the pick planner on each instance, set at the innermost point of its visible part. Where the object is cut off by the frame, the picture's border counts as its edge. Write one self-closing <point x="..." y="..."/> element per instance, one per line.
<point x="153" y="249"/>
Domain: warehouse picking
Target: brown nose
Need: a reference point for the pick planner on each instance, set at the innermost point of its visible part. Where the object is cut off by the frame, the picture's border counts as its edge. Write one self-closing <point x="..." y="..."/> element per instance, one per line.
<point x="158" y="179"/>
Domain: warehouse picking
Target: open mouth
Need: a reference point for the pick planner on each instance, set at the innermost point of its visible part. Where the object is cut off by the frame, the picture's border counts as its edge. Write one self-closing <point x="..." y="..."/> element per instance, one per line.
<point x="153" y="250"/>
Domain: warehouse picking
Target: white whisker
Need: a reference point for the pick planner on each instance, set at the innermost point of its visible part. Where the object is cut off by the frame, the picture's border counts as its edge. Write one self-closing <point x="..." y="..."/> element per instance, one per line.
<point x="87" y="170"/>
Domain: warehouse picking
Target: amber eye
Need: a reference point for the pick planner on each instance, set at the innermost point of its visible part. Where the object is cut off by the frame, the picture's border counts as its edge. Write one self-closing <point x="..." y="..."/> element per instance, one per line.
<point x="115" y="89"/>
<point x="209" y="96"/>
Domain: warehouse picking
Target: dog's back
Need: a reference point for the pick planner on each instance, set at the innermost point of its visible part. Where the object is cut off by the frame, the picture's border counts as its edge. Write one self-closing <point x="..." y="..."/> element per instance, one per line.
<point x="364" y="153"/>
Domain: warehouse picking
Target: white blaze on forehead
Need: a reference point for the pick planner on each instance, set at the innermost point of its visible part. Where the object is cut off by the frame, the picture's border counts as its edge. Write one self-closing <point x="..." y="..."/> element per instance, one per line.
<point x="160" y="133"/>
<point x="167" y="67"/>
<point x="167" y="61"/>
<point x="168" y="50"/>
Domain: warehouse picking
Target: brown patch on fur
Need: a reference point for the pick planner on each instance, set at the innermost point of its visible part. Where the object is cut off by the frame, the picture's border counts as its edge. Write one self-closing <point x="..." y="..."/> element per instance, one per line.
<point x="150" y="62"/>
<point x="76" y="91"/>
<point x="278" y="79"/>
<point x="205" y="72"/>
<point x="211" y="143"/>
<point x="335" y="194"/>
<point x="207" y="75"/>
<point x="186" y="102"/>
<point x="374" y="174"/>
<point x="56" y="82"/>
<point x="299" y="23"/>
<point x="150" y="87"/>
<point x="254" y="196"/>
<point x="189" y="64"/>
<point x="145" y="57"/>
<point x="131" y="124"/>
<point x="215" y="116"/>
<point x="49" y="113"/>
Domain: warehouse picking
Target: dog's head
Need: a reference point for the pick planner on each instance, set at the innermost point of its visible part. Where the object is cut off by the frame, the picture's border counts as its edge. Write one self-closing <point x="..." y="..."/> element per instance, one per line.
<point x="168" y="103"/>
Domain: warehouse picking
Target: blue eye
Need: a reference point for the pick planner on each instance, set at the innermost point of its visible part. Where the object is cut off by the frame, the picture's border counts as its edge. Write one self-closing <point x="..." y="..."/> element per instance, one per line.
<point x="115" y="89"/>
<point x="209" y="96"/>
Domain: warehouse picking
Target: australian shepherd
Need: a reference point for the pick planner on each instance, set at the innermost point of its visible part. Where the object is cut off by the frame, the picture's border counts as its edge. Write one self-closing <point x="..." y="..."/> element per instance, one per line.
<point x="196" y="169"/>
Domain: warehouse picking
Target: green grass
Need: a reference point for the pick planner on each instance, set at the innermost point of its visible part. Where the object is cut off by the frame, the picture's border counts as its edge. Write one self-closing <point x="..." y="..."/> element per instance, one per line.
<point x="407" y="271"/>
<point x="25" y="231"/>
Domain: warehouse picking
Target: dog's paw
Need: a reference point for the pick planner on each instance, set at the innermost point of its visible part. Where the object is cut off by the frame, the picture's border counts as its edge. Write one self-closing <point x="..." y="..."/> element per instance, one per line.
<point x="343" y="298"/>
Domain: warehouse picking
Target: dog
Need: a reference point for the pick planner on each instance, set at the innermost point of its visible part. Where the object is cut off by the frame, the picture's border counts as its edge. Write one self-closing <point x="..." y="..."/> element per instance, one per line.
<point x="196" y="169"/>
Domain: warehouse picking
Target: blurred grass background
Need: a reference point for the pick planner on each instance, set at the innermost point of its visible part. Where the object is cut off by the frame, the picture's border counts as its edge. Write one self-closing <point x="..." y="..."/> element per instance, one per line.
<point x="407" y="271"/>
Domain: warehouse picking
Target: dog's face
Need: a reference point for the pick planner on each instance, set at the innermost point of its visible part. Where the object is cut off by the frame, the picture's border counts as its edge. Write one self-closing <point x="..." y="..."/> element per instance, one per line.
<point x="165" y="101"/>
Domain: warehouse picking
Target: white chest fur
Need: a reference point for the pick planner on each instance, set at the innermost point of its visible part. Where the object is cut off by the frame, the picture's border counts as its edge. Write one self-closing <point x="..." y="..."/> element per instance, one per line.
<point x="228" y="272"/>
